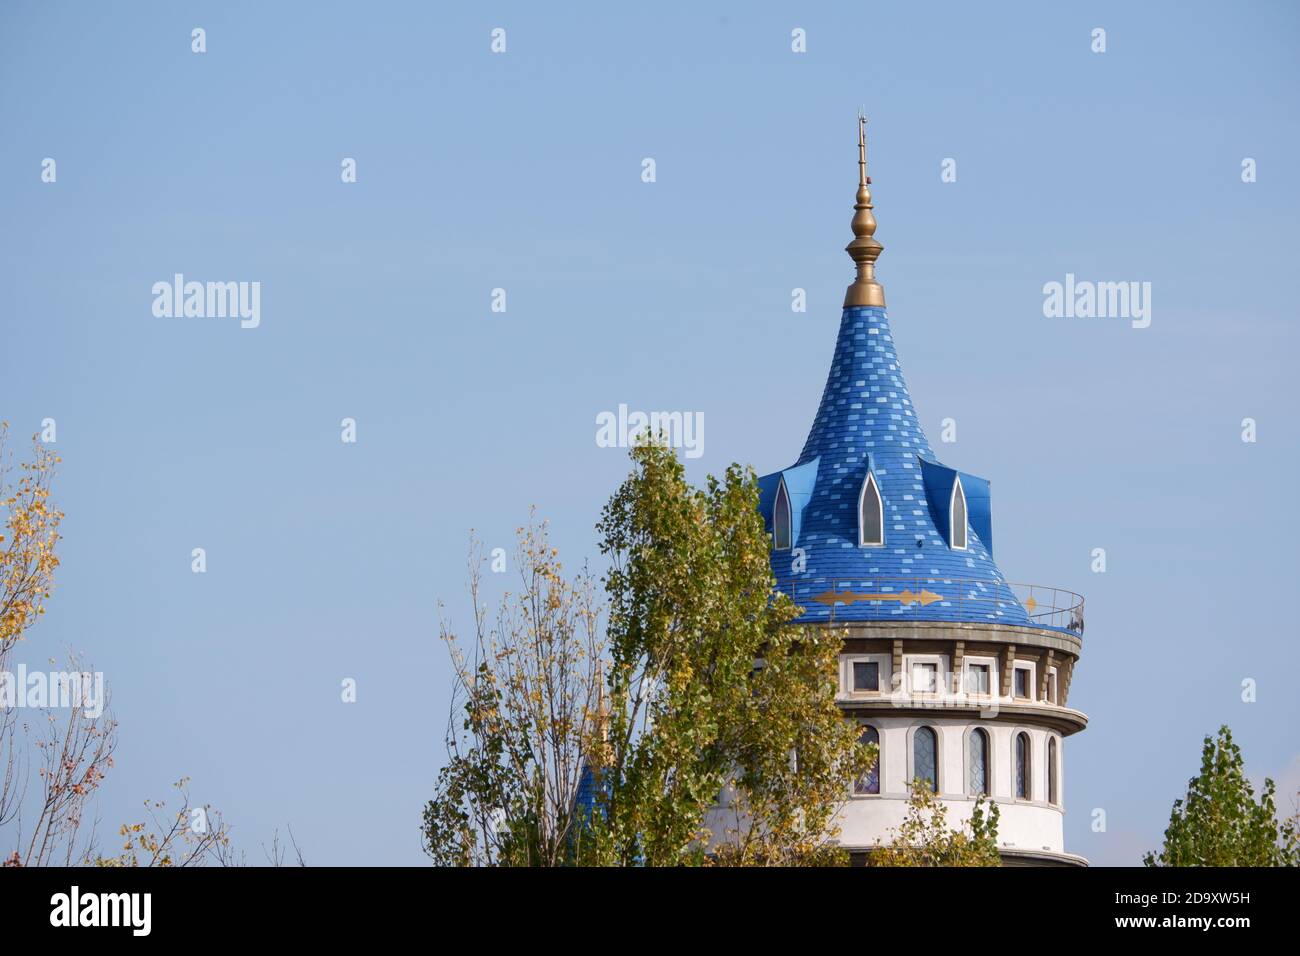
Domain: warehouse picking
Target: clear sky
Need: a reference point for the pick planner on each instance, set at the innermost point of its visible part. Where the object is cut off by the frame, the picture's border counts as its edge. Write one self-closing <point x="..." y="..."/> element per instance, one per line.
<point x="522" y="171"/>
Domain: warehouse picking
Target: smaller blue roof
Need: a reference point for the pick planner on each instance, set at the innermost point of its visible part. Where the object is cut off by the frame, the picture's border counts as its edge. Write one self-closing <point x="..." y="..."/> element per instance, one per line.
<point x="800" y="481"/>
<point x="939" y="481"/>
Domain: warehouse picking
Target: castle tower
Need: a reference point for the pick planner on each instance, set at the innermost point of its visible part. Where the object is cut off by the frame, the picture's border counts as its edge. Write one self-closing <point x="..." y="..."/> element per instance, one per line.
<point x="962" y="678"/>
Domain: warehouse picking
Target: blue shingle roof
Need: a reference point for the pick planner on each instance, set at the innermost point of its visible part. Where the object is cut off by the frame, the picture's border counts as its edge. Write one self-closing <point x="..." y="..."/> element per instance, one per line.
<point x="587" y="798"/>
<point x="866" y="421"/>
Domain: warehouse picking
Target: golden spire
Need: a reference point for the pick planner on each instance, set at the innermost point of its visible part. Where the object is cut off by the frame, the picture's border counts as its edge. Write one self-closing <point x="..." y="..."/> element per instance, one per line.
<point x="600" y="754"/>
<point x="602" y="708"/>
<point x="864" y="250"/>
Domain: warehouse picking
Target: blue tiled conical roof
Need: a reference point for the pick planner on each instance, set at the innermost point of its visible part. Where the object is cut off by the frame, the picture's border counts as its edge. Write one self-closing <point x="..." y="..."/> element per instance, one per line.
<point x="866" y="422"/>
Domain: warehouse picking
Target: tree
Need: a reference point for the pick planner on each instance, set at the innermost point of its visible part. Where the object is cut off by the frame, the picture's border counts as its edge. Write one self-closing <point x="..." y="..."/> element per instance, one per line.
<point x="524" y="718"/>
<point x="925" y="839"/>
<point x="781" y="811"/>
<point x="72" y="753"/>
<point x="1219" y="822"/>
<point x="709" y="682"/>
<point x="190" y="836"/>
<point x="31" y="531"/>
<point x="699" y="680"/>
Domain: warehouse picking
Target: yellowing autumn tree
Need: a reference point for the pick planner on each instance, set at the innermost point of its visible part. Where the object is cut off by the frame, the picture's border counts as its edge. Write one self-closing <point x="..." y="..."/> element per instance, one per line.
<point x="30" y="533"/>
<point x="525" y="698"/>
<point x="71" y="755"/>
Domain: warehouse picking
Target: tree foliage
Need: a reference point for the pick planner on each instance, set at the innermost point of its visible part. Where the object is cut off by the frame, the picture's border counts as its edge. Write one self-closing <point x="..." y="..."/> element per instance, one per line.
<point x="44" y="814"/>
<point x="189" y="836"/>
<point x="524" y="715"/>
<point x="781" y="809"/>
<point x="700" y="682"/>
<point x="1220" y="823"/>
<point x="70" y="754"/>
<point x="692" y="610"/>
<point x="27" y="544"/>
<point x="925" y="838"/>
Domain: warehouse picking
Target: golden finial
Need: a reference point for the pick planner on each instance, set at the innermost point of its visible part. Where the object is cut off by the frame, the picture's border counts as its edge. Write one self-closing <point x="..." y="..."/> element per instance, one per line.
<point x="600" y="750"/>
<point x="602" y="708"/>
<point x="864" y="250"/>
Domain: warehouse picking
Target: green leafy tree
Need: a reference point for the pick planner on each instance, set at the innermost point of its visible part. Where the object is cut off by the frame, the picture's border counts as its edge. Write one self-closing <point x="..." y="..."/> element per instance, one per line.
<point x="692" y="611"/>
<point x="781" y="810"/>
<point x="698" y="680"/>
<point x="1220" y="823"/>
<point x="925" y="839"/>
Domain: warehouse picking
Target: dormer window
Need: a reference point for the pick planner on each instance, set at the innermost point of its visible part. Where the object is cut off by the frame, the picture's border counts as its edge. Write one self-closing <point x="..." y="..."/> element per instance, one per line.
<point x="781" y="519"/>
<point x="871" y="514"/>
<point x="957" y="518"/>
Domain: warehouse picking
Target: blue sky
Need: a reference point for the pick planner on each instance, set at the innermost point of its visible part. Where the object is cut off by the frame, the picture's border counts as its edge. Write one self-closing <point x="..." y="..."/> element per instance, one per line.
<point x="522" y="171"/>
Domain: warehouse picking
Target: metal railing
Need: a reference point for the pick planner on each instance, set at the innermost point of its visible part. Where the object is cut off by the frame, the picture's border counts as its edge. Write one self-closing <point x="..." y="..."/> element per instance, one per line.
<point x="1053" y="608"/>
<point x="1056" y="608"/>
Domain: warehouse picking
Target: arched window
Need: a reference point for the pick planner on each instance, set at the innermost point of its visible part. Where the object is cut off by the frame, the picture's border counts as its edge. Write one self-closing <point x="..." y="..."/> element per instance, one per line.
<point x="869" y="782"/>
<point x="1024" y="785"/>
<point x="978" y="745"/>
<point x="871" y="513"/>
<point x="1051" y="770"/>
<point x="957" y="517"/>
<point x="925" y="757"/>
<point x="781" y="519"/>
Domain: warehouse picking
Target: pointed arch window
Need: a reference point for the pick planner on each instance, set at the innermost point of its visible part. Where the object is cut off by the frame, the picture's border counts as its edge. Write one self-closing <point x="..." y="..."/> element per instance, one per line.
<point x="957" y="518"/>
<point x="1023" y="783"/>
<point x="871" y="513"/>
<point x="979" y="762"/>
<point x="1051" y="771"/>
<point x="781" y="519"/>
<point x="925" y="757"/>
<point x="869" y="782"/>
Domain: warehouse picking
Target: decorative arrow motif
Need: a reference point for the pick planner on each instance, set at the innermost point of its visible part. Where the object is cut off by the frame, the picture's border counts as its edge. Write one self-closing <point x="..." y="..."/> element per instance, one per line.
<point x="923" y="598"/>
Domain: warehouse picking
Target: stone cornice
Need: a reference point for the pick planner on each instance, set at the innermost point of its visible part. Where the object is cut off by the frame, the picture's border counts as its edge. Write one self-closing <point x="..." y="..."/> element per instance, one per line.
<point x="1015" y="634"/>
<point x="1064" y="720"/>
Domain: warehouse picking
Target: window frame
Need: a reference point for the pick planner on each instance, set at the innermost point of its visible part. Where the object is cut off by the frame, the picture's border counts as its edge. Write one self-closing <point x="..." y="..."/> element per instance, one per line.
<point x="991" y="663"/>
<point x="1031" y="681"/>
<point x="938" y="755"/>
<point x="988" y="760"/>
<point x="882" y="662"/>
<point x="870" y="482"/>
<point x="863" y="726"/>
<point x="1016" y="736"/>
<point x="782" y="495"/>
<point x="1053" y="781"/>
<point x="940" y="673"/>
<point x="957" y="489"/>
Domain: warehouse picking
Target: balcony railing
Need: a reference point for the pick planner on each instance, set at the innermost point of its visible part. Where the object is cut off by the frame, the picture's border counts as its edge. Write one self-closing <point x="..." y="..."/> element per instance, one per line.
<point x="1053" y="608"/>
<point x="1056" y="608"/>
